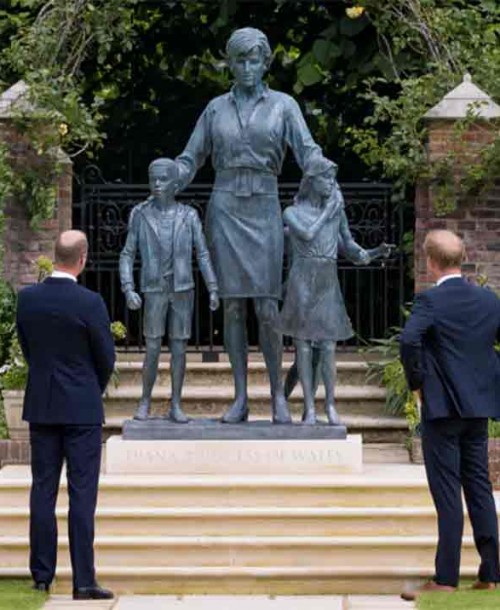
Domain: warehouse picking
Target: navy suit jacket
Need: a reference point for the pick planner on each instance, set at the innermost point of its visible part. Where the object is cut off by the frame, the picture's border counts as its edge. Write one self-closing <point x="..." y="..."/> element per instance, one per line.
<point x="64" y="332"/>
<point x="447" y="350"/>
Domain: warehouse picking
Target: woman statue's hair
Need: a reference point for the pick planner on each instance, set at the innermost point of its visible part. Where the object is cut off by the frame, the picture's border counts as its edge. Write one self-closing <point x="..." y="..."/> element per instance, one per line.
<point x="242" y="41"/>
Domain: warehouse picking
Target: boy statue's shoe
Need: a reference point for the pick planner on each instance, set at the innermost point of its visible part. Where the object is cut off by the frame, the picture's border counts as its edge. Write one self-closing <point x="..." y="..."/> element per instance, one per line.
<point x="429" y="587"/>
<point x="94" y="592"/>
<point x="41" y="586"/>
<point x="142" y="412"/>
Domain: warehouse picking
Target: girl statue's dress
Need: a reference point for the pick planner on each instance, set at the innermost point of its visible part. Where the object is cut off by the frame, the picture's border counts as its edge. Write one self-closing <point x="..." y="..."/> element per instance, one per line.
<point x="314" y="307"/>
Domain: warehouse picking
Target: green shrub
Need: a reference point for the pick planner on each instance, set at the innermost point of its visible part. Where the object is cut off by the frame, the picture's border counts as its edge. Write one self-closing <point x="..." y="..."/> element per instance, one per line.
<point x="494" y="429"/>
<point x="7" y="318"/>
<point x="15" y="371"/>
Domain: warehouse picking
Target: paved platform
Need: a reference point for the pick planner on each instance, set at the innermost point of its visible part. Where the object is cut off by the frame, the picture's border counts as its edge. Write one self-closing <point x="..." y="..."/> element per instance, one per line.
<point x="243" y="602"/>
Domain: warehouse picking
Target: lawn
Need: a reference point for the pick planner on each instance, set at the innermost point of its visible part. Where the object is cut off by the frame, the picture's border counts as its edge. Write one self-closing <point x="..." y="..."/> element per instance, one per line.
<point x="18" y="595"/>
<point x="461" y="600"/>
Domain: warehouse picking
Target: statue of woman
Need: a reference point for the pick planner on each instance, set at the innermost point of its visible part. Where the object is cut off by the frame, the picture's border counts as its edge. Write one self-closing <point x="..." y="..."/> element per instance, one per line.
<point x="246" y="132"/>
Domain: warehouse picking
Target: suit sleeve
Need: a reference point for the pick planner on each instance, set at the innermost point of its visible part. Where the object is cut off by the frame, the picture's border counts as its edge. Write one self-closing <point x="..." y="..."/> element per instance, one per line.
<point x="498" y="320"/>
<point x="420" y="322"/>
<point x="23" y="342"/>
<point x="101" y="342"/>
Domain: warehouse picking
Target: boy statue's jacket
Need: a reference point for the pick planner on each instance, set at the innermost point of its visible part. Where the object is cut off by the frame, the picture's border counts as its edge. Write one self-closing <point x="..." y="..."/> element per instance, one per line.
<point x="143" y="235"/>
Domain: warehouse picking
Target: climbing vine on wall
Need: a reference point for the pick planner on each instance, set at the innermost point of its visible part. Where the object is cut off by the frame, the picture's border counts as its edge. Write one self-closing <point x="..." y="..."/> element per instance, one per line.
<point x="453" y="38"/>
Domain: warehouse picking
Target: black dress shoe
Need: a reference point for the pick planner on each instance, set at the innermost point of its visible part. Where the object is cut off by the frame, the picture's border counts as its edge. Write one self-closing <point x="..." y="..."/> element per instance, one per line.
<point x="41" y="586"/>
<point x="94" y="592"/>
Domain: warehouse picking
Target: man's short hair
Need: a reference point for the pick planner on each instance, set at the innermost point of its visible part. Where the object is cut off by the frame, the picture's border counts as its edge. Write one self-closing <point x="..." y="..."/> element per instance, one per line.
<point x="445" y="248"/>
<point x="70" y="245"/>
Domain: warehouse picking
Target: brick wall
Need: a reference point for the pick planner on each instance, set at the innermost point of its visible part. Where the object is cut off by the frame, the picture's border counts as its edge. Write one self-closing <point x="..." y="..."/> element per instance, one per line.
<point x="477" y="220"/>
<point x="14" y="452"/>
<point x="22" y="244"/>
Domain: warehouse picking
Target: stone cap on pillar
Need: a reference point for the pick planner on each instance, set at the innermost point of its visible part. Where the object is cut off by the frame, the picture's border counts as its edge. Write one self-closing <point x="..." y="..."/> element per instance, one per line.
<point x="14" y="100"/>
<point x="464" y="100"/>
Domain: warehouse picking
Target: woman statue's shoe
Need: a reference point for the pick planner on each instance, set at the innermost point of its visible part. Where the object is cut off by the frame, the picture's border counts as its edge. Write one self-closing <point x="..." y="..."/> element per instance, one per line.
<point x="281" y="413"/>
<point x="237" y="413"/>
<point x="177" y="415"/>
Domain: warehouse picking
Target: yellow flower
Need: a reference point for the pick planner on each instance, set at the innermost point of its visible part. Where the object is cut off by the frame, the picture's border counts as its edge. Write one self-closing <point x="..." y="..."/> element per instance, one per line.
<point x="63" y="129"/>
<point x="355" y="11"/>
<point x="118" y="330"/>
<point x="44" y="267"/>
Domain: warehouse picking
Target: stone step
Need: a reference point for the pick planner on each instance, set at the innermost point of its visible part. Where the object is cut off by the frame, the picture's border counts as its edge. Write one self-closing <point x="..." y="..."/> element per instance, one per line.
<point x="219" y="373"/>
<point x="250" y="580"/>
<point x="212" y="401"/>
<point x="238" y="521"/>
<point x="249" y="551"/>
<point x="351" y="354"/>
<point x="379" y="485"/>
<point x="385" y="453"/>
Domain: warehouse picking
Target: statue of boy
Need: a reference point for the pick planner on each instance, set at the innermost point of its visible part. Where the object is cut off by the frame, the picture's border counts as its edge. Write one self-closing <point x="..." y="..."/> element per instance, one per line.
<point x="165" y="232"/>
<point x="313" y="312"/>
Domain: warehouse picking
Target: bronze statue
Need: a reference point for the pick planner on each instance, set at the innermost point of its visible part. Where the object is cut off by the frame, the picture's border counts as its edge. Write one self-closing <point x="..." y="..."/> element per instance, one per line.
<point x="314" y="313"/>
<point x="246" y="132"/>
<point x="165" y="232"/>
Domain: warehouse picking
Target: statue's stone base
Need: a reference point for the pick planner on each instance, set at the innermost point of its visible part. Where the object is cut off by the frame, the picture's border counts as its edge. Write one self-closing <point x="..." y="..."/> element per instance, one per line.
<point x="214" y="429"/>
<point x="234" y="457"/>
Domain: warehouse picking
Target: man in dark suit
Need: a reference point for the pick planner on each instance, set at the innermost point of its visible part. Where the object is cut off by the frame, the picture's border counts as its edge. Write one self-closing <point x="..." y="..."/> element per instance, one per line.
<point x="64" y="332"/>
<point x="447" y="350"/>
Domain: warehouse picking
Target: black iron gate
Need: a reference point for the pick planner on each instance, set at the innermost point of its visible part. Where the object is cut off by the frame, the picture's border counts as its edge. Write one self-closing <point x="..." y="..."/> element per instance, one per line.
<point x="374" y="294"/>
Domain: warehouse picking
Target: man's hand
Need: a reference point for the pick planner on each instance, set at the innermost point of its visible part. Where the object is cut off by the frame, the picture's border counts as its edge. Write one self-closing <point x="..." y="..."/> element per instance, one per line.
<point x="214" y="300"/>
<point x="134" y="301"/>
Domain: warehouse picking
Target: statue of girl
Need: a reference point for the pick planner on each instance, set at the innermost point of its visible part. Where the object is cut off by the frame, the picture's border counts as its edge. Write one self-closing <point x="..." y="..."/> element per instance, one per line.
<point x="313" y="312"/>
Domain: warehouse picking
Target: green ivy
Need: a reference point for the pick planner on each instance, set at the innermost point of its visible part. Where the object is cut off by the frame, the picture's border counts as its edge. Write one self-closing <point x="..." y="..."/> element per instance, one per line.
<point x="454" y="38"/>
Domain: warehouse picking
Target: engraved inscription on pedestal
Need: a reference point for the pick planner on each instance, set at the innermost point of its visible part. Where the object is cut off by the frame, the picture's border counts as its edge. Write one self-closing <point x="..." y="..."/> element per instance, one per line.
<point x="234" y="456"/>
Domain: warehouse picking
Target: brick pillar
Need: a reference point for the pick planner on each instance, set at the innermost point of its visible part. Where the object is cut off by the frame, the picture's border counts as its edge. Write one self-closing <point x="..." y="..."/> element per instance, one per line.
<point x="476" y="220"/>
<point x="22" y="244"/>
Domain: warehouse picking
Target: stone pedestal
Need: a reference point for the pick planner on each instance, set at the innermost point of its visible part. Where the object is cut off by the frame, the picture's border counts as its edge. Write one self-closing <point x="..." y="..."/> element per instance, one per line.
<point x="234" y="457"/>
<point x="204" y="429"/>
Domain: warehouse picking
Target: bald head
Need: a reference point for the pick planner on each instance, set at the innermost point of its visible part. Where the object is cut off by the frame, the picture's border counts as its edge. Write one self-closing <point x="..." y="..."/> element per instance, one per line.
<point x="445" y="250"/>
<point x="71" y="251"/>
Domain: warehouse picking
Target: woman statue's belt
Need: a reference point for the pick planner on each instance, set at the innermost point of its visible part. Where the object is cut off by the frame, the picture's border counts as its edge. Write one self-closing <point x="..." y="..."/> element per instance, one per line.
<point x="245" y="181"/>
<point x="317" y="256"/>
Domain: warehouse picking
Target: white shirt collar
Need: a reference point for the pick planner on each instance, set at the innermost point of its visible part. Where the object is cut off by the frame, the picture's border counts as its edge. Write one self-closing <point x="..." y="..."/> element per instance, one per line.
<point x="444" y="278"/>
<point x="62" y="275"/>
